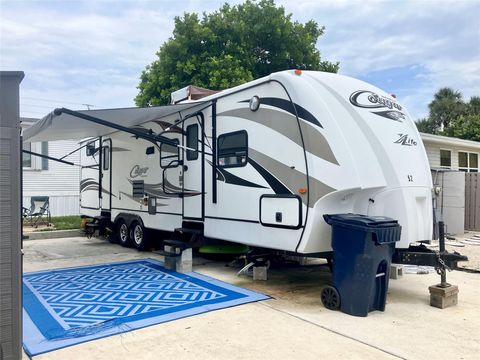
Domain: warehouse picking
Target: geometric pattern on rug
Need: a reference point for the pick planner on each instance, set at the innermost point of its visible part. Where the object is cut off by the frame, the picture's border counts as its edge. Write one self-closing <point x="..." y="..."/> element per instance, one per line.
<point x="88" y="296"/>
<point x="65" y="307"/>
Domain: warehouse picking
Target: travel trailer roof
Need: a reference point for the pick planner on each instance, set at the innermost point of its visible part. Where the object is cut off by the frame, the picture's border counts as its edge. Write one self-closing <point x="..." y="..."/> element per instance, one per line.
<point x="70" y="127"/>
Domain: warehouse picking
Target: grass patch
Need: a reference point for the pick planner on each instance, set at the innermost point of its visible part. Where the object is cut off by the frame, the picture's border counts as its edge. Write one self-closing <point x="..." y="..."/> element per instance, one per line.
<point x="66" y="222"/>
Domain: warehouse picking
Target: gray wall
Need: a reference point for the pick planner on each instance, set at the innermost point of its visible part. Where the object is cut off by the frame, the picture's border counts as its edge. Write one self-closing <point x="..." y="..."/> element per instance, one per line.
<point x="451" y="201"/>
<point x="10" y="219"/>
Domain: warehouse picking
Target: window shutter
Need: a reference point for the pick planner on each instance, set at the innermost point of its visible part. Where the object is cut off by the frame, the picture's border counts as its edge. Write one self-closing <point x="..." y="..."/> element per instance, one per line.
<point x="44" y="152"/>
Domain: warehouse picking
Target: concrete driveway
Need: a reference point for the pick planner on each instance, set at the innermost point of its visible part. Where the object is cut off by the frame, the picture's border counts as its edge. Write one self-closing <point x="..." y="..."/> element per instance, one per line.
<point x="292" y="325"/>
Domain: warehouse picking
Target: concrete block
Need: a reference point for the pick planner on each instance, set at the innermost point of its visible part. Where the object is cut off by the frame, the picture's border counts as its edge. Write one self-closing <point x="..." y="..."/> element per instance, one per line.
<point x="185" y="261"/>
<point x="182" y="263"/>
<point x="443" y="297"/>
<point x="396" y="271"/>
<point x="259" y="273"/>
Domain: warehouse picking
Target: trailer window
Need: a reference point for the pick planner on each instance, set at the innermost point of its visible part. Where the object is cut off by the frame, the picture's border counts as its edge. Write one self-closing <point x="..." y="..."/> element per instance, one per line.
<point x="192" y="142"/>
<point x="106" y="157"/>
<point x="90" y="149"/>
<point x="169" y="154"/>
<point x="233" y="149"/>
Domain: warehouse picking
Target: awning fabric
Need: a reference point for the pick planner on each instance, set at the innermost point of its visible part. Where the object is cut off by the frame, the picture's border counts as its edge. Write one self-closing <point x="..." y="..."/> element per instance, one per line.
<point x="69" y="127"/>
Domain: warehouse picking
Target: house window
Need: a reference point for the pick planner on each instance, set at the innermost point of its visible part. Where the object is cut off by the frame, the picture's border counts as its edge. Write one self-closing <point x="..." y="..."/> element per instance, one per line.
<point x="233" y="149"/>
<point x="192" y="142"/>
<point x="27" y="158"/>
<point x="35" y="162"/>
<point x="445" y="158"/>
<point x="467" y="162"/>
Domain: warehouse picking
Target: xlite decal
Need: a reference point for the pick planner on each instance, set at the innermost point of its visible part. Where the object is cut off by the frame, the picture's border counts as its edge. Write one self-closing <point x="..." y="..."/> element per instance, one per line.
<point x="405" y="140"/>
<point x="369" y="100"/>
<point x="138" y="171"/>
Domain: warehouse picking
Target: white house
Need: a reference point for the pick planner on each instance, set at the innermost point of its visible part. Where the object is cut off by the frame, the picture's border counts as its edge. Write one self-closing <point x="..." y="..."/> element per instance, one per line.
<point x="451" y="153"/>
<point x="43" y="177"/>
<point x="457" y="203"/>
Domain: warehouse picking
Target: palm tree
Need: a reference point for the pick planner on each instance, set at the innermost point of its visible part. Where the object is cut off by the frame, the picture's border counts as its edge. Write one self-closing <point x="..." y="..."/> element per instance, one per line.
<point x="446" y="106"/>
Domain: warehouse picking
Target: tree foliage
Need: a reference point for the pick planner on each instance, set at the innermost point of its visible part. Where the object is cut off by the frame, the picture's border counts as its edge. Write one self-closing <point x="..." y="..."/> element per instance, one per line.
<point x="449" y="115"/>
<point x="447" y="105"/>
<point x="228" y="47"/>
<point x="465" y="127"/>
<point x="426" y="126"/>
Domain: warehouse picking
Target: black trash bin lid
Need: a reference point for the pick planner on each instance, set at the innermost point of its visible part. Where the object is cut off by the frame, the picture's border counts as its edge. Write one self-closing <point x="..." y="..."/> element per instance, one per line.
<point x="360" y="220"/>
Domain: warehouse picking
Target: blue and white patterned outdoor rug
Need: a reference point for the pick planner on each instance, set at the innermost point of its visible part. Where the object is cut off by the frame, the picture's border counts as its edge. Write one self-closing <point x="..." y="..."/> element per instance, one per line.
<point x="70" y="306"/>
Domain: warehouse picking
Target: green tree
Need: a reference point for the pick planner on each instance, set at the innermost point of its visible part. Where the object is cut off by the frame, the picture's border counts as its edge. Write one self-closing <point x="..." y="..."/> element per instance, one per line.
<point x="426" y="125"/>
<point x="228" y="47"/>
<point x="466" y="127"/>
<point x="473" y="106"/>
<point x="446" y="106"/>
<point x="450" y="116"/>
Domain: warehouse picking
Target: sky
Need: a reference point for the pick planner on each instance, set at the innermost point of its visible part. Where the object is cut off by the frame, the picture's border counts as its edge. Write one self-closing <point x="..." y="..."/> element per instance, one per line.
<point x="93" y="52"/>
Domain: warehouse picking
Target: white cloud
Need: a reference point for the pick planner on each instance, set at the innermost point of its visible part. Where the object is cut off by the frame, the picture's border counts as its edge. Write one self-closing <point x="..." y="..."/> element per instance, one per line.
<point x="441" y="36"/>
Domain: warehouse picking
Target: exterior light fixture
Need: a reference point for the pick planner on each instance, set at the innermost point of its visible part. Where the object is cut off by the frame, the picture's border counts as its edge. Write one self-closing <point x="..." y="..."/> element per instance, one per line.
<point x="254" y="103"/>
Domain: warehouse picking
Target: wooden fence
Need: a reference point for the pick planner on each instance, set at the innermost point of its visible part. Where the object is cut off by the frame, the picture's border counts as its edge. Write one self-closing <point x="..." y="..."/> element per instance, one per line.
<point x="472" y="201"/>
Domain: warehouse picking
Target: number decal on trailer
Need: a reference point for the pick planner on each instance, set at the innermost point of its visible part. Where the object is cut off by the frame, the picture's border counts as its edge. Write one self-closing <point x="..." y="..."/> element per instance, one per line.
<point x="410" y="178"/>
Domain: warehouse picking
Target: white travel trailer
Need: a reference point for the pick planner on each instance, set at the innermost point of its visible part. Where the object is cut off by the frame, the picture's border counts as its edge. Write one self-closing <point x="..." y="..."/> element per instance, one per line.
<point x="258" y="164"/>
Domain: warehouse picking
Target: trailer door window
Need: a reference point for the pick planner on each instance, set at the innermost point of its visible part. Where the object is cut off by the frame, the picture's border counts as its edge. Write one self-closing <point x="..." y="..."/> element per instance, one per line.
<point x="106" y="157"/>
<point x="192" y="142"/>
<point x="233" y="149"/>
<point x="169" y="155"/>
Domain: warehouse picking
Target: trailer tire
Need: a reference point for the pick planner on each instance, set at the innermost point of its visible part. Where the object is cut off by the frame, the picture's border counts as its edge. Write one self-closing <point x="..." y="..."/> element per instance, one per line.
<point x="123" y="233"/>
<point x="138" y="234"/>
<point x="330" y="298"/>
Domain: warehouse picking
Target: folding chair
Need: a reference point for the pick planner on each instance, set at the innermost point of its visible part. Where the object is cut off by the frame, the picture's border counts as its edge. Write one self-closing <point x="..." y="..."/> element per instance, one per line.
<point x="39" y="212"/>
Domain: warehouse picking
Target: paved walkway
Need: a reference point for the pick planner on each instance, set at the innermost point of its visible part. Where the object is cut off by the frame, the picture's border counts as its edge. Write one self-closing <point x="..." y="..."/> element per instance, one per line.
<point x="292" y="325"/>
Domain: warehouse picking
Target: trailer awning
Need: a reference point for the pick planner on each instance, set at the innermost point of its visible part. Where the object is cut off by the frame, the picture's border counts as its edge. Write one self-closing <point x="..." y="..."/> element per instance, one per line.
<point x="67" y="126"/>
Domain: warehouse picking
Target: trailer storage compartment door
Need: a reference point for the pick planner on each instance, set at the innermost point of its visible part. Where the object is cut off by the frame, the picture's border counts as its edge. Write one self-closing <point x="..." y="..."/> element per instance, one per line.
<point x="281" y="211"/>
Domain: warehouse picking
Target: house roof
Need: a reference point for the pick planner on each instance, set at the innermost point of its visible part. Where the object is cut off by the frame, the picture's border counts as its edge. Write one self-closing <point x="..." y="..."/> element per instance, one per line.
<point x="445" y="140"/>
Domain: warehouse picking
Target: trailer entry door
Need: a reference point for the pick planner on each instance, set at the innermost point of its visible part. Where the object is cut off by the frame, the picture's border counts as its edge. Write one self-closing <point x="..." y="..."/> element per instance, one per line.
<point x="106" y="171"/>
<point x="193" y="172"/>
<point x="89" y="179"/>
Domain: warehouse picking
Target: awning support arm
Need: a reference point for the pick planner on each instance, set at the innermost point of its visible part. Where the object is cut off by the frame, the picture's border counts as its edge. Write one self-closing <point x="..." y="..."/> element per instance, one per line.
<point x="183" y="119"/>
<point x="49" y="157"/>
<point x="139" y="134"/>
<point x="74" y="151"/>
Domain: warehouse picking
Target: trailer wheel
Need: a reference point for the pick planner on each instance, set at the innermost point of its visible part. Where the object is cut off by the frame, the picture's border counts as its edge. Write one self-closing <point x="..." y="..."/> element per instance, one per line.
<point x="138" y="234"/>
<point x="330" y="298"/>
<point x="123" y="233"/>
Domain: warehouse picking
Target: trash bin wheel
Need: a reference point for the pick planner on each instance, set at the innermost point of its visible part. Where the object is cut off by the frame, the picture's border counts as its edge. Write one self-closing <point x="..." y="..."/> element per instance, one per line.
<point x="330" y="298"/>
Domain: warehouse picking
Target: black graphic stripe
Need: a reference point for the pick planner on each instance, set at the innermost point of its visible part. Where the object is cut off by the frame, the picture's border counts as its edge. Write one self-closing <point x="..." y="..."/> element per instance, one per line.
<point x="290" y="107"/>
<point x="235" y="180"/>
<point x="272" y="181"/>
<point x="89" y="182"/>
